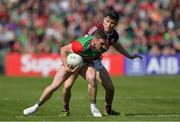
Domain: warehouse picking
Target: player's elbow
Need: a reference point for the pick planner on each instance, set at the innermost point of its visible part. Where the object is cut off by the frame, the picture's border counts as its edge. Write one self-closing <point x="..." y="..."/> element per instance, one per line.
<point x="63" y="50"/>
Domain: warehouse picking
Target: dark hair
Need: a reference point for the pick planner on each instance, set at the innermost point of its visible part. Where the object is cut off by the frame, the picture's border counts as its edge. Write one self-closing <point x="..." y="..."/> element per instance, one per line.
<point x="110" y="12"/>
<point x="100" y="34"/>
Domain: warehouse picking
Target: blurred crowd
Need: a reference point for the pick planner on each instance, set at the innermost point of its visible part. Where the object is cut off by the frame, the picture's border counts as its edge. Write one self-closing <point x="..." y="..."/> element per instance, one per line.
<point x="43" y="26"/>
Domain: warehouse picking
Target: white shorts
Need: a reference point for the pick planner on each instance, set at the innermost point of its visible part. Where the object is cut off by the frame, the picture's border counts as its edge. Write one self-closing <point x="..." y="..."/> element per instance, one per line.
<point x="97" y="64"/>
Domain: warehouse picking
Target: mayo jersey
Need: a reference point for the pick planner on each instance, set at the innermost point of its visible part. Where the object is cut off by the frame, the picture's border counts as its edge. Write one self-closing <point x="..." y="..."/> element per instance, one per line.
<point x="84" y="47"/>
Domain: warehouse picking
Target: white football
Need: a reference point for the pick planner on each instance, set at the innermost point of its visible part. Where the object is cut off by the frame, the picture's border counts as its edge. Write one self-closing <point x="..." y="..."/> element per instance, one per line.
<point x="74" y="60"/>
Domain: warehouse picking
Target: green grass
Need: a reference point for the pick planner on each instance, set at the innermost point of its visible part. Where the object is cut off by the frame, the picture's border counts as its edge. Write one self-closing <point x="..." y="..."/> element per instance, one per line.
<point x="138" y="98"/>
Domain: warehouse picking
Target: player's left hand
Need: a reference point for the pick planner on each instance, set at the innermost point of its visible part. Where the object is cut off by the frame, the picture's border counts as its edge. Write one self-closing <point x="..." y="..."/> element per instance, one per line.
<point x="136" y="56"/>
<point x="73" y="69"/>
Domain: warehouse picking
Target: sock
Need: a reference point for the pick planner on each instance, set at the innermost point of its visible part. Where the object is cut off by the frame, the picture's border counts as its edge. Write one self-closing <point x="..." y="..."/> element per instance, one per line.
<point x="92" y="101"/>
<point x="66" y="107"/>
<point x="39" y="103"/>
<point x="108" y="108"/>
<point x="93" y="105"/>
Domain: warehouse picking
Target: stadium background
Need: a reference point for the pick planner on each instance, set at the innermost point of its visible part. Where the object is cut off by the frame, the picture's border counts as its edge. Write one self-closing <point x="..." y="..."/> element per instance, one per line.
<point x="33" y="31"/>
<point x="149" y="27"/>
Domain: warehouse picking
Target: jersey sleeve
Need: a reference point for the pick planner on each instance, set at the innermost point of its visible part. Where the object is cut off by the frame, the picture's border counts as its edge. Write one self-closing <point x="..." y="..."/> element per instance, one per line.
<point x="76" y="47"/>
<point x="91" y="30"/>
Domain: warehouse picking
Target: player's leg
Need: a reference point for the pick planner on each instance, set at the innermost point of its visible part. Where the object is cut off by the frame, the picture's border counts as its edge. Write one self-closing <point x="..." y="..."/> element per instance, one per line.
<point x="67" y="93"/>
<point x="59" y="78"/>
<point x="89" y="73"/>
<point x="102" y="76"/>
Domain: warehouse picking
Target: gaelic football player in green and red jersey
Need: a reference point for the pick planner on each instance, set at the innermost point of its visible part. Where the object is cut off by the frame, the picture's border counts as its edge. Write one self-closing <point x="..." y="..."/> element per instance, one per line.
<point x="89" y="47"/>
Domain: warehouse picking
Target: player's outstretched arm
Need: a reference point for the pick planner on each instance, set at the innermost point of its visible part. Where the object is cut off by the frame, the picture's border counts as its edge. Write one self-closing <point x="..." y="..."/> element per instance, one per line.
<point x="121" y="50"/>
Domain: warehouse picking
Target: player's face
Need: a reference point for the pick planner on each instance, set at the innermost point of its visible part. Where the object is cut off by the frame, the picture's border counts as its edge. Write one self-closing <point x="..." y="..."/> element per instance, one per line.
<point x="101" y="45"/>
<point x="109" y="24"/>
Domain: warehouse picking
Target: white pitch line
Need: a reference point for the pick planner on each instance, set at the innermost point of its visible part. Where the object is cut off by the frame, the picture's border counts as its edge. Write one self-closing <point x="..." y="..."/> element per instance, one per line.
<point x="90" y="116"/>
<point x="159" y="115"/>
<point x="45" y="116"/>
<point x="131" y="98"/>
<point x="118" y="98"/>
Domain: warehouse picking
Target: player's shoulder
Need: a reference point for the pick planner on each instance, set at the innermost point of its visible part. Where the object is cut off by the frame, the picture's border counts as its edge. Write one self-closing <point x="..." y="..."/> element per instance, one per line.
<point x="99" y="25"/>
<point x="93" y="28"/>
<point x="81" y="44"/>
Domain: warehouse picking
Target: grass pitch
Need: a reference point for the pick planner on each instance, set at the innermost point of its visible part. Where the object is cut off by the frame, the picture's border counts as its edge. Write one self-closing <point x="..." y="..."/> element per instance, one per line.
<point x="138" y="98"/>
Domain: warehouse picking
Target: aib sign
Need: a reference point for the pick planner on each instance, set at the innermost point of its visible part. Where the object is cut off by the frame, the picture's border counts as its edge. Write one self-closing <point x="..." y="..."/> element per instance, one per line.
<point x="135" y="67"/>
<point x="153" y="65"/>
<point x="163" y="65"/>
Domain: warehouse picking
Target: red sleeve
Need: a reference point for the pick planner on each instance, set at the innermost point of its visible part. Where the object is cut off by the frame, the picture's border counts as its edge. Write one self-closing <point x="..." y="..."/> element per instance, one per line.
<point x="76" y="47"/>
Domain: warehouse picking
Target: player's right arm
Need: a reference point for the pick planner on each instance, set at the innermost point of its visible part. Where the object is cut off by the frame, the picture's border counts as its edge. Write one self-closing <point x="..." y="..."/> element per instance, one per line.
<point x="121" y="50"/>
<point x="74" y="47"/>
<point x="65" y="50"/>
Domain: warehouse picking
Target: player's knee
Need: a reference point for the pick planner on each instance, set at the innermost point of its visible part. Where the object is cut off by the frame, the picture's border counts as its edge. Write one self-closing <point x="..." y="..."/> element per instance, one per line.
<point x="53" y="87"/>
<point x="67" y="87"/>
<point x="92" y="84"/>
<point x="91" y="77"/>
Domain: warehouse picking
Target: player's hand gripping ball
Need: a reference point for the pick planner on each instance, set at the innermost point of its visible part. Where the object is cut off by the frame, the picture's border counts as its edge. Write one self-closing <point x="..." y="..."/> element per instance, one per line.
<point x="74" y="60"/>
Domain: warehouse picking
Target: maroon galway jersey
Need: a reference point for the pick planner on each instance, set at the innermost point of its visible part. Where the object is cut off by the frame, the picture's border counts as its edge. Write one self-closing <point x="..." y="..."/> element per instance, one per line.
<point x="112" y="36"/>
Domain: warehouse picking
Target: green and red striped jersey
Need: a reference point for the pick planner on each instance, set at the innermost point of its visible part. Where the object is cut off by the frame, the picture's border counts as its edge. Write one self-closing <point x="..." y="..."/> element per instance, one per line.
<point x="85" y="48"/>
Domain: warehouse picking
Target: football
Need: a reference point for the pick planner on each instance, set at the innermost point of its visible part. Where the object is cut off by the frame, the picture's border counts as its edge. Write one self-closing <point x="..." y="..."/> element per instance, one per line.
<point x="74" y="60"/>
